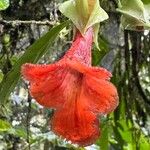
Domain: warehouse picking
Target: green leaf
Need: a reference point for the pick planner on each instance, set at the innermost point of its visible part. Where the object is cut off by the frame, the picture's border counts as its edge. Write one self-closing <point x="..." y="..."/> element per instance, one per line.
<point x="103" y="140"/>
<point x="144" y="142"/>
<point x="20" y="132"/>
<point x="83" y="16"/>
<point x="135" y="14"/>
<point x="4" y="125"/>
<point x="32" y="55"/>
<point x="1" y="76"/>
<point x="4" y="4"/>
<point x="125" y="130"/>
<point x="97" y="54"/>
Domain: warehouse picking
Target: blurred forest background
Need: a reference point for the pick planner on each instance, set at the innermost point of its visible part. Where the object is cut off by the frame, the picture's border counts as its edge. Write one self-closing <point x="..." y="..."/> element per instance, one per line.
<point x="24" y="124"/>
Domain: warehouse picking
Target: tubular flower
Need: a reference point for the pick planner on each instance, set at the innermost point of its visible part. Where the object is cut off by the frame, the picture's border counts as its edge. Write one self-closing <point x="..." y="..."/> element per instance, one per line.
<point x="77" y="91"/>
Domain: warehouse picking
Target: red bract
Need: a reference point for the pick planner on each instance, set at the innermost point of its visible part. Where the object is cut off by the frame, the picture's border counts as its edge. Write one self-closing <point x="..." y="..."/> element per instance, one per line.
<point x="77" y="91"/>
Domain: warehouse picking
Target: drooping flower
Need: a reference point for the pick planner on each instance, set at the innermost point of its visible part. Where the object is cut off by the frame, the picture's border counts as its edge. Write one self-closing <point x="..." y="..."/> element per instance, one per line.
<point x="77" y="91"/>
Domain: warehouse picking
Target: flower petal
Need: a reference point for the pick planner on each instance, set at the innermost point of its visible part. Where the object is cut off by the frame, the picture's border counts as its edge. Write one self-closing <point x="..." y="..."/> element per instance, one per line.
<point x="45" y="83"/>
<point x="96" y="72"/>
<point x="74" y="121"/>
<point x="101" y="95"/>
<point x="76" y="124"/>
<point x="33" y="72"/>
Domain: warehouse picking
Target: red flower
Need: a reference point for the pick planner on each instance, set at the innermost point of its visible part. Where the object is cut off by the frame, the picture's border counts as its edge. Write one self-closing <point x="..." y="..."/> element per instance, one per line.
<point x="77" y="91"/>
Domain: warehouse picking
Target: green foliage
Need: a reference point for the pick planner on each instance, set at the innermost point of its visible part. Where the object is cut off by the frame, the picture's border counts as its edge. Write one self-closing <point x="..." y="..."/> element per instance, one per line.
<point x="4" y="125"/>
<point x="20" y="132"/>
<point x="103" y="142"/>
<point x="144" y="143"/>
<point x="98" y="54"/>
<point x="1" y="76"/>
<point x="4" y="4"/>
<point x="136" y="13"/>
<point x="32" y="55"/>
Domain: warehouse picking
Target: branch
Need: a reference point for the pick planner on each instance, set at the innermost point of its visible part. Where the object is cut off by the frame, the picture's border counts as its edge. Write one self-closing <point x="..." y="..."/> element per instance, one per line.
<point x="136" y="47"/>
<point x="28" y="119"/>
<point x="27" y="22"/>
<point x="115" y="3"/>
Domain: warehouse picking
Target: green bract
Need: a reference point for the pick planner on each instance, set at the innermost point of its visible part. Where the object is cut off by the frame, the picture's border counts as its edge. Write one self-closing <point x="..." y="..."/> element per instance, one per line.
<point x="136" y="13"/>
<point x="84" y="14"/>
